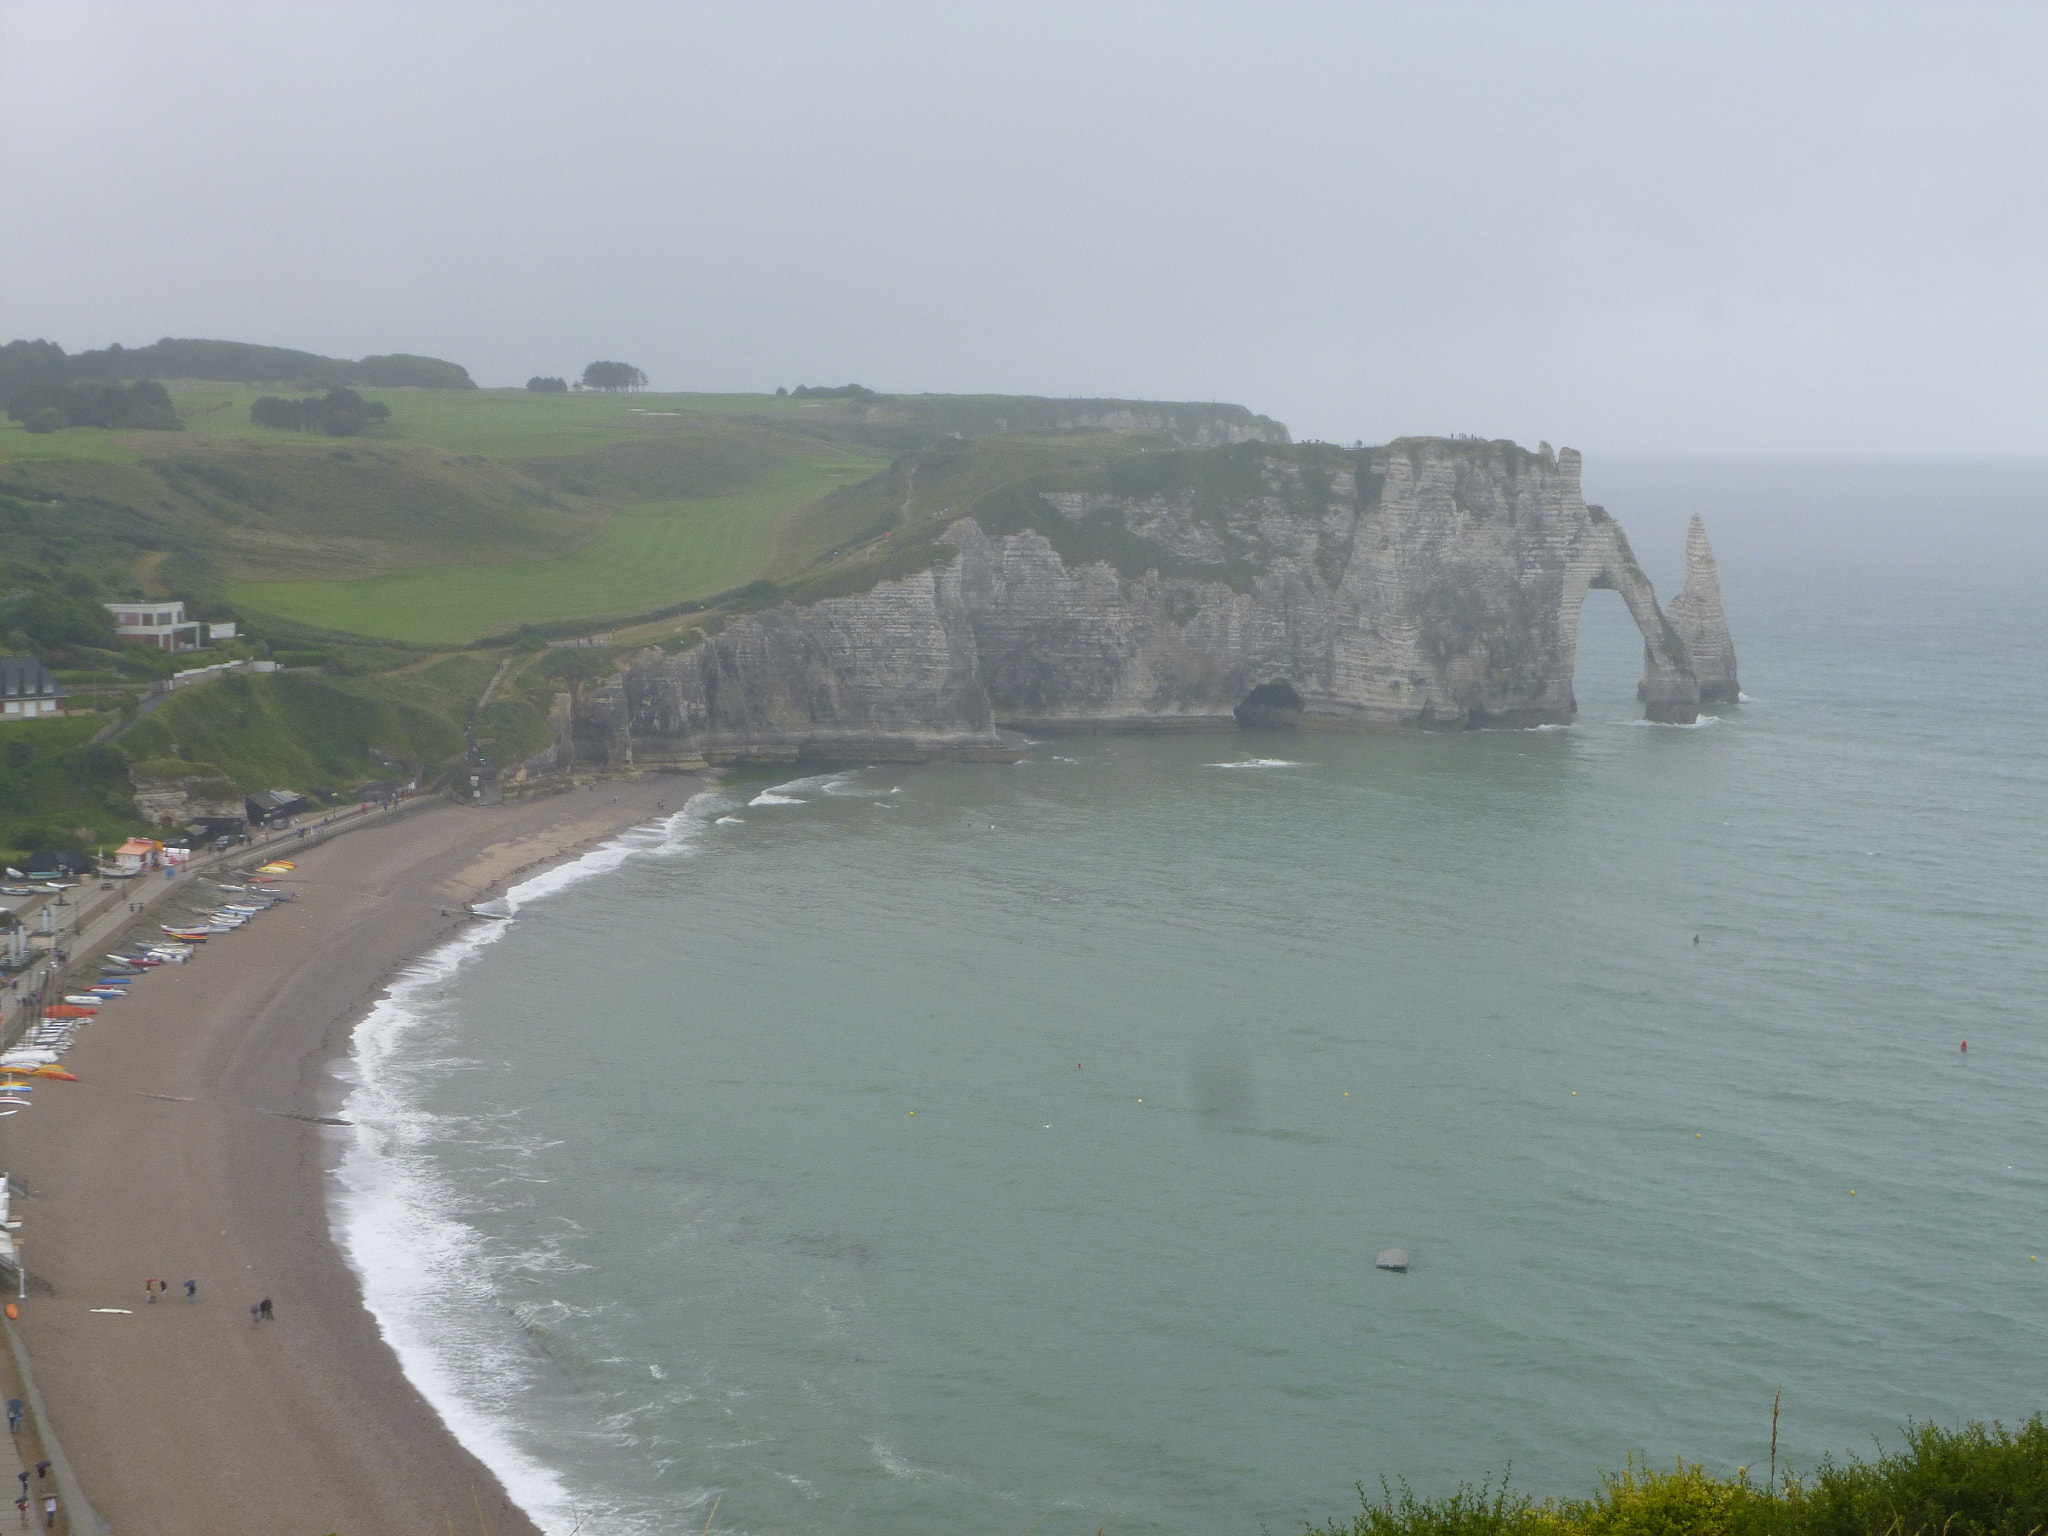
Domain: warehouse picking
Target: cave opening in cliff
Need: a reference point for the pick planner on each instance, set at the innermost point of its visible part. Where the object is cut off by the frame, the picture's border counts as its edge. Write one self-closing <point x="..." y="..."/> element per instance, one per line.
<point x="1270" y="706"/>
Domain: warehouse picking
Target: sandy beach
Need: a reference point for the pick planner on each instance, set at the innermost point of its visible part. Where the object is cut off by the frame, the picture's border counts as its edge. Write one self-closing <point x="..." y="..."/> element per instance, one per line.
<point x="183" y="1154"/>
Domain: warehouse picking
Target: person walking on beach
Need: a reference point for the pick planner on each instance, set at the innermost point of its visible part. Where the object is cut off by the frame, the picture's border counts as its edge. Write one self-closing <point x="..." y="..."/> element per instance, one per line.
<point x="50" y="1510"/>
<point x="255" y="1312"/>
<point x="191" y="1290"/>
<point x="14" y="1406"/>
<point x="24" y="1482"/>
<point x="263" y="1307"/>
<point x="22" y="1505"/>
<point x="42" y="1471"/>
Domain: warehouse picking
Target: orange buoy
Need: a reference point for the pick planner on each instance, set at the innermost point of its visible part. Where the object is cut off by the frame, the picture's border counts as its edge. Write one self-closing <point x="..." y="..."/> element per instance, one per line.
<point x="11" y="1313"/>
<point x="1966" y="1047"/>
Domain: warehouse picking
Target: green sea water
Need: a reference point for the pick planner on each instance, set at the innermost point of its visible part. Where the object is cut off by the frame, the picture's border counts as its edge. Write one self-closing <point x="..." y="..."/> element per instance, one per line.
<point x="992" y="1149"/>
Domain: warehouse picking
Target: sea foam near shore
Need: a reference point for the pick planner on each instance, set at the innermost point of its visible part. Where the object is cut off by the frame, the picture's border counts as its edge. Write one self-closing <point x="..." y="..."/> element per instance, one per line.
<point x="423" y="1273"/>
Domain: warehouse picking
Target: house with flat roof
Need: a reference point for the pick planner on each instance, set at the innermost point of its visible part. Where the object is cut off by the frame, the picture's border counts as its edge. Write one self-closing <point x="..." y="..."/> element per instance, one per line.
<point x="162" y="624"/>
<point x="27" y="688"/>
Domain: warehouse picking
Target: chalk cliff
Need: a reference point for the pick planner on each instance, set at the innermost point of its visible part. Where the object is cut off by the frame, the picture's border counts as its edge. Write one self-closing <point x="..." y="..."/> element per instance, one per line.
<point x="1696" y="615"/>
<point x="1431" y="582"/>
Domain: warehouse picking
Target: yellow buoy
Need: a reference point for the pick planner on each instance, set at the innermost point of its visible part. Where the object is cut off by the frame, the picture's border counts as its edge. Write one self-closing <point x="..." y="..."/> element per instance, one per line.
<point x="913" y="1114"/>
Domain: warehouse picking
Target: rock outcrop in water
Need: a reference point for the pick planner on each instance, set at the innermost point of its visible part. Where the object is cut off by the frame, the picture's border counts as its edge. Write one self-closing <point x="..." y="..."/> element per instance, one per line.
<point x="1431" y="583"/>
<point x="1696" y="615"/>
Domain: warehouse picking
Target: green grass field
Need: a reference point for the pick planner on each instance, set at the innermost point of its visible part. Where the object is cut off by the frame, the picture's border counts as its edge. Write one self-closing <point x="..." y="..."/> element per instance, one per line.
<point x="471" y="512"/>
<point x="651" y="554"/>
<point x="496" y="423"/>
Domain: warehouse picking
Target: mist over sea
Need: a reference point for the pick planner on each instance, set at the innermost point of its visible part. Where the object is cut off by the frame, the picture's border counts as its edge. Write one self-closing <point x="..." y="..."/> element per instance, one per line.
<point x="959" y="1149"/>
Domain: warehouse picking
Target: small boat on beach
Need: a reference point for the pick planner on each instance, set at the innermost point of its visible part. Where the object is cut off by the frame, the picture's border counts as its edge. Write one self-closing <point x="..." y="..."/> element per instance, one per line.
<point x="497" y="908"/>
<point x="1395" y="1259"/>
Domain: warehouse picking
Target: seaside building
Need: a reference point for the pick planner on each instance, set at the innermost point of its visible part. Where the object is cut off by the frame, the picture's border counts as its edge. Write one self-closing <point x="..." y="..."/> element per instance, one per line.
<point x="27" y="688"/>
<point x="276" y="807"/>
<point x="136" y="855"/>
<point x="164" y="625"/>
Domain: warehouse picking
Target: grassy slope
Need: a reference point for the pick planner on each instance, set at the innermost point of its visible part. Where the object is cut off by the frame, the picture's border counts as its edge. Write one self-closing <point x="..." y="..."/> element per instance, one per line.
<point x="651" y="554"/>
<point x="54" y="786"/>
<point x="470" y="513"/>
<point x="311" y="732"/>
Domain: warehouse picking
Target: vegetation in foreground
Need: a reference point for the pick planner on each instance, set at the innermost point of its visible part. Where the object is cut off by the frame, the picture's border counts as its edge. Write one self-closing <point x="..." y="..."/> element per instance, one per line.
<point x="1975" y="1481"/>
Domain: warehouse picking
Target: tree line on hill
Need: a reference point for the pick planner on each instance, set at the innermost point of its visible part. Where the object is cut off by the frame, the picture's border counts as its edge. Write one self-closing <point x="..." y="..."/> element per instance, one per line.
<point x="832" y="392"/>
<point x="26" y="365"/>
<point x="338" y="413"/>
<point x="607" y="377"/>
<point x="144" y="406"/>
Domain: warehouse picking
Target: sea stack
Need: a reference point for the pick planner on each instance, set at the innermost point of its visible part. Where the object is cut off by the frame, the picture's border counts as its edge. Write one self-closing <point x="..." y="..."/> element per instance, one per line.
<point x="1696" y="614"/>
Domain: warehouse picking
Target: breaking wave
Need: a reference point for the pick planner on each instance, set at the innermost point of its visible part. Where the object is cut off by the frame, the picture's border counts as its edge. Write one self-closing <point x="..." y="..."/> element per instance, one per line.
<point x="424" y="1273"/>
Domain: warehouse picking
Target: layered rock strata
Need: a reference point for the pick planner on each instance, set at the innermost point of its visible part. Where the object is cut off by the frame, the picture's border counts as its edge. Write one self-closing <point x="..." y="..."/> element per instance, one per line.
<point x="1433" y="582"/>
<point x="1696" y="615"/>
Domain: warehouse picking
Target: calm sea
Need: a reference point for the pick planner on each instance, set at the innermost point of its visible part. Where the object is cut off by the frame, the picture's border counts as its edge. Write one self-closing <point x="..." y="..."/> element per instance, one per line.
<point x="936" y="1150"/>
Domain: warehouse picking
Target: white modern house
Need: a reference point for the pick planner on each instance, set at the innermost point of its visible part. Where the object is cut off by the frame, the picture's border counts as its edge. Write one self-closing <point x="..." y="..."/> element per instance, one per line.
<point x="163" y="624"/>
<point x="27" y="688"/>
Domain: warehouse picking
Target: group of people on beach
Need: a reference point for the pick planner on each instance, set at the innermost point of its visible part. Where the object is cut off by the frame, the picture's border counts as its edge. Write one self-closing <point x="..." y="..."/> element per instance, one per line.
<point x="151" y="1289"/>
<point x="42" y="1474"/>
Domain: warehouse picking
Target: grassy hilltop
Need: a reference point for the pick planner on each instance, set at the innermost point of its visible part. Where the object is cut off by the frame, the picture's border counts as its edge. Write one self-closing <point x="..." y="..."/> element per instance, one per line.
<point x="403" y="570"/>
<point x="471" y="513"/>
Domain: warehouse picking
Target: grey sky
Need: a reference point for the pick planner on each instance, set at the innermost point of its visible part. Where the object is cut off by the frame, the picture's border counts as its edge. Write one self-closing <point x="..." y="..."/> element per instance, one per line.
<point x="1632" y="228"/>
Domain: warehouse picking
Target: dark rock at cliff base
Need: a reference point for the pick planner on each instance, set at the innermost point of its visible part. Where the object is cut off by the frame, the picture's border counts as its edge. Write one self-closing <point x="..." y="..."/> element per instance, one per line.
<point x="1432" y="582"/>
<point x="1696" y="615"/>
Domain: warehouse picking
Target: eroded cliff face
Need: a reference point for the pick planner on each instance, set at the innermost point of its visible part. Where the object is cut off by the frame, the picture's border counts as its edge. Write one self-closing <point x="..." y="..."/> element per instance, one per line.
<point x="1696" y="615"/>
<point x="1428" y="583"/>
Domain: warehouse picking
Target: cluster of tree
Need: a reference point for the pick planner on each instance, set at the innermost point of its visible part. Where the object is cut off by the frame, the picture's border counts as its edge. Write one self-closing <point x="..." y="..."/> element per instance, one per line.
<point x="140" y="407"/>
<point x="541" y="386"/>
<point x="830" y="392"/>
<point x="401" y="370"/>
<point x="613" y="376"/>
<point x="338" y="413"/>
<point x="42" y="610"/>
<point x="27" y="363"/>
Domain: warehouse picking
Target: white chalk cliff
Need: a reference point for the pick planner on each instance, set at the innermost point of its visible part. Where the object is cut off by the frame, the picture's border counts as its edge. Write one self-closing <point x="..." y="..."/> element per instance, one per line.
<point x="1696" y="615"/>
<point x="1432" y="582"/>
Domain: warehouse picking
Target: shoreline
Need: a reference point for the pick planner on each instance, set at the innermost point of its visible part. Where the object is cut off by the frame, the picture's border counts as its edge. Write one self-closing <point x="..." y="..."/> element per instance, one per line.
<point x="195" y="1141"/>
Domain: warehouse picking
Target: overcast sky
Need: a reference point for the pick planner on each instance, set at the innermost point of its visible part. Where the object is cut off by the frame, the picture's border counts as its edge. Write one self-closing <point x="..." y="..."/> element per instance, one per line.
<point x="1632" y="228"/>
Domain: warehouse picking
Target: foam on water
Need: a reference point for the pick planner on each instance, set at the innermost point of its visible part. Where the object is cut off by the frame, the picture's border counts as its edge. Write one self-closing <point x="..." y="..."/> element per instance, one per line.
<point x="423" y="1272"/>
<point x="1440" y="992"/>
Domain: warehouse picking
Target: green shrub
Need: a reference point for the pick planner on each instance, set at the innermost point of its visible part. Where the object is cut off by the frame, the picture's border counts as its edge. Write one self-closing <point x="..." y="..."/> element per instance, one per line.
<point x="1975" y="1481"/>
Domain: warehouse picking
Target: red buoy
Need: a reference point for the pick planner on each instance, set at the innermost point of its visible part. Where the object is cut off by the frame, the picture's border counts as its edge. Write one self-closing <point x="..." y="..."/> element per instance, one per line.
<point x="1966" y="1047"/>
